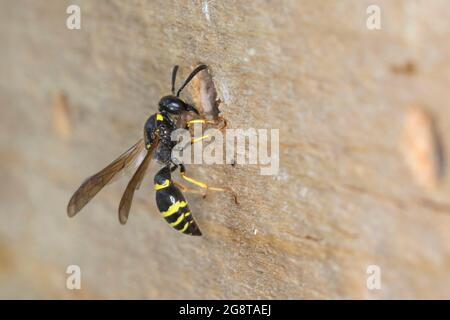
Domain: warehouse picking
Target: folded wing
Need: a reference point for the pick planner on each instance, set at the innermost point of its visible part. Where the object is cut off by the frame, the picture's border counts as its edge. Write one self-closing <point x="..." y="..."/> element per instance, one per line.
<point x="133" y="157"/>
<point x="135" y="182"/>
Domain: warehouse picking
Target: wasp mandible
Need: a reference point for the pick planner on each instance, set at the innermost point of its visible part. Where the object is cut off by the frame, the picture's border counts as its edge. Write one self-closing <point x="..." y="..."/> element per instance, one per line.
<point x="157" y="139"/>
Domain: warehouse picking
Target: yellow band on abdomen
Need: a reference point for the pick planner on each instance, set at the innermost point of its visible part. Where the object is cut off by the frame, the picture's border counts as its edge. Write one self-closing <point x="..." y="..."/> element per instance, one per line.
<point x="162" y="186"/>
<point x="174" y="208"/>
<point x="186" y="225"/>
<point x="178" y="221"/>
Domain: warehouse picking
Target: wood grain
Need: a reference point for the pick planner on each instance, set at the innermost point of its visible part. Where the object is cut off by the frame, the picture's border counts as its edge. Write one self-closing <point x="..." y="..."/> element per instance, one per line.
<point x="344" y="198"/>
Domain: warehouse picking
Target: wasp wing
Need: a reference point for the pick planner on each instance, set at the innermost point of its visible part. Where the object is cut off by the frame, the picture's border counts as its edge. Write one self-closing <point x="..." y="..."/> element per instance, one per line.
<point x="135" y="182"/>
<point x="89" y="188"/>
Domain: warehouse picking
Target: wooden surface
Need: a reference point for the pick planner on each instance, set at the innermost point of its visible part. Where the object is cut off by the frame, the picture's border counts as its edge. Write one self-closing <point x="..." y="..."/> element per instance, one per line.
<point x="356" y="187"/>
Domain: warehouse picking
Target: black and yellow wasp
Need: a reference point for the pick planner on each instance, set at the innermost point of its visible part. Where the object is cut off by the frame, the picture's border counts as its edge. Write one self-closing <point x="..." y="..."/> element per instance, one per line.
<point x="157" y="139"/>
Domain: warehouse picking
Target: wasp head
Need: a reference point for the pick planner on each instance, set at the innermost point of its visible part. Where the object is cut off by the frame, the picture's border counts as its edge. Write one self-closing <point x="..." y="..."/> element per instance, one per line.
<point x="175" y="105"/>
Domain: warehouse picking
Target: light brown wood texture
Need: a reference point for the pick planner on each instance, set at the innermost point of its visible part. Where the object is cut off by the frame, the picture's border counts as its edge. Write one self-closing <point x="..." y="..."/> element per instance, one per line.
<point x="351" y="191"/>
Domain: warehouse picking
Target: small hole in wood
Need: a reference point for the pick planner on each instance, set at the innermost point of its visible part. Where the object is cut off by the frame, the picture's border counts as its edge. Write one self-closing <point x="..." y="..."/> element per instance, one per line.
<point x="406" y="68"/>
<point x="204" y="94"/>
<point x="422" y="147"/>
<point x="62" y="124"/>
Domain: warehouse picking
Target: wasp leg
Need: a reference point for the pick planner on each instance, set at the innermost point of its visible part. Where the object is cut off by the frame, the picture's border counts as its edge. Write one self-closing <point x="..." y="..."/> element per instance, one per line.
<point x="207" y="121"/>
<point x="204" y="185"/>
<point x="194" y="140"/>
<point x="203" y="121"/>
<point x="185" y="189"/>
<point x="182" y="187"/>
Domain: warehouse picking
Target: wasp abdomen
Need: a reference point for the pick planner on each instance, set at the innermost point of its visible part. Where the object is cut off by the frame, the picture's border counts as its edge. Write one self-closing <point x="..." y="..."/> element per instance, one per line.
<point x="175" y="209"/>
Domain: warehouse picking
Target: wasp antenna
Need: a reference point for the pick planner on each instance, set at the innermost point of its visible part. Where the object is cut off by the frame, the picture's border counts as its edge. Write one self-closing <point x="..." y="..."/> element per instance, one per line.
<point x="174" y="78"/>
<point x="188" y="79"/>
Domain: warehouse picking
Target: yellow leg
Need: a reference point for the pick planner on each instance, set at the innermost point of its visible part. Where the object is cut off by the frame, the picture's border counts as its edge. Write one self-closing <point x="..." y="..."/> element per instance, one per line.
<point x="194" y="140"/>
<point x="205" y="186"/>
<point x="202" y="121"/>
<point x="183" y="188"/>
<point x="189" y="123"/>
<point x="207" y="121"/>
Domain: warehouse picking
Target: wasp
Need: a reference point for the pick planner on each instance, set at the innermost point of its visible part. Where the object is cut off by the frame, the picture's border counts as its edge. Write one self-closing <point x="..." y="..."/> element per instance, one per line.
<point x="156" y="143"/>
